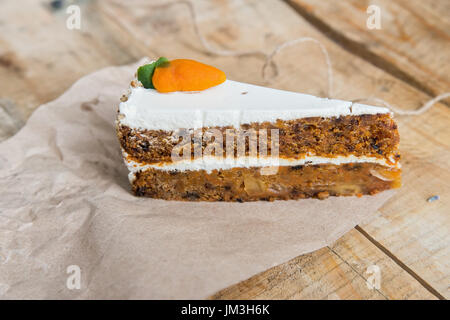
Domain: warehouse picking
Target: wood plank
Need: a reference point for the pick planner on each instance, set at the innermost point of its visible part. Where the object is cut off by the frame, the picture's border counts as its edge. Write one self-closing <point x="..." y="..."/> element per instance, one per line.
<point x="118" y="35"/>
<point x="336" y="273"/>
<point x="413" y="42"/>
<point x="40" y="56"/>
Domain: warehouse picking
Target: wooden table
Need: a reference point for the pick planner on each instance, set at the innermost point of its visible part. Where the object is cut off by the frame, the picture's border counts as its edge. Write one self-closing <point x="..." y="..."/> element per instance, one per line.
<point x="406" y="62"/>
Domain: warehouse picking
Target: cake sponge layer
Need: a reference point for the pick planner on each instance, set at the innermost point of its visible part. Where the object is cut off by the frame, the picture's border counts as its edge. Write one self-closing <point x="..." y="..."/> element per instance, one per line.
<point x="364" y="135"/>
<point x="250" y="184"/>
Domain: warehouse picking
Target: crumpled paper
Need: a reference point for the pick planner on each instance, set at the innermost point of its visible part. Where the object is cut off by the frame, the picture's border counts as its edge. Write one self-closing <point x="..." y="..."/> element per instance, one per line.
<point x="71" y="229"/>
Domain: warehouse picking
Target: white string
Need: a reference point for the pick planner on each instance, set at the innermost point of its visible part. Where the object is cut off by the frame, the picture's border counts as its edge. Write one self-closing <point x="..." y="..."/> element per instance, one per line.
<point x="401" y="112"/>
<point x="294" y="42"/>
<point x="202" y="39"/>
<point x="270" y="57"/>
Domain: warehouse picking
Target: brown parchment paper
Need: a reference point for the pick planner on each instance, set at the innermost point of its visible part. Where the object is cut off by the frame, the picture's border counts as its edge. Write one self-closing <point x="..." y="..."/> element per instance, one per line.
<point x="65" y="200"/>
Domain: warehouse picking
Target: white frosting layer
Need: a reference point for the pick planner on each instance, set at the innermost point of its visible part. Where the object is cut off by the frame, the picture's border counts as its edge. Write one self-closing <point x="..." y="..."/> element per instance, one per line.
<point x="229" y="104"/>
<point x="212" y="163"/>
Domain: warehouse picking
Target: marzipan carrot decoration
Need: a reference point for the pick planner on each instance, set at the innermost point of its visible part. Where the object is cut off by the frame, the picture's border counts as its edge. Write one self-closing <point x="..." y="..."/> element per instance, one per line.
<point x="179" y="75"/>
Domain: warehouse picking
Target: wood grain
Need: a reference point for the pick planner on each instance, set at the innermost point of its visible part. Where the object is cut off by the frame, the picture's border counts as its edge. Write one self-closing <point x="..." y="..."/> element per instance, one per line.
<point x="39" y="55"/>
<point x="413" y="43"/>
<point x="336" y="273"/>
<point x="38" y="46"/>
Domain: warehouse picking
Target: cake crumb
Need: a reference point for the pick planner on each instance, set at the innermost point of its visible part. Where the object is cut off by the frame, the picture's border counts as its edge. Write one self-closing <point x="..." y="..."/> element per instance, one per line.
<point x="323" y="195"/>
<point x="136" y="83"/>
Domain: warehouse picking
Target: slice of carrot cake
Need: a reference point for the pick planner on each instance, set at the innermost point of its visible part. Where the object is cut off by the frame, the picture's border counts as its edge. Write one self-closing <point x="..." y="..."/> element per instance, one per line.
<point x="187" y="133"/>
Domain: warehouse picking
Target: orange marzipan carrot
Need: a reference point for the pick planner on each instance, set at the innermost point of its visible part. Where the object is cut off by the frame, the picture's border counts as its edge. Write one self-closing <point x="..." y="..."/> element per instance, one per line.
<point x="186" y="75"/>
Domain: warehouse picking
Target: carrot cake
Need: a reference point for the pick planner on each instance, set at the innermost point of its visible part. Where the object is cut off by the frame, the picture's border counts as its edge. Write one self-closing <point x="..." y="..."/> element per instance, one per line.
<point x="188" y="133"/>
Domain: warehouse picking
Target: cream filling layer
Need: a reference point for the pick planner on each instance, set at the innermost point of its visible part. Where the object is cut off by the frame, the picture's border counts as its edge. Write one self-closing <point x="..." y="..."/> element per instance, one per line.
<point x="214" y="163"/>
